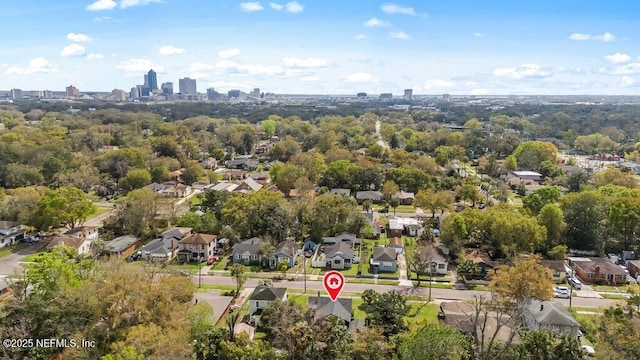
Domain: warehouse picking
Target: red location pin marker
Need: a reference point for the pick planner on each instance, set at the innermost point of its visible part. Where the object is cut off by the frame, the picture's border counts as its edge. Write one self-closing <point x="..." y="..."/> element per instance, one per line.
<point x="333" y="283"/>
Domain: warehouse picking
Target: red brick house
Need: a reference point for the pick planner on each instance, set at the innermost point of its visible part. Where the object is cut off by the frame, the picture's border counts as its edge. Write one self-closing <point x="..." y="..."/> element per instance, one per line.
<point x="598" y="271"/>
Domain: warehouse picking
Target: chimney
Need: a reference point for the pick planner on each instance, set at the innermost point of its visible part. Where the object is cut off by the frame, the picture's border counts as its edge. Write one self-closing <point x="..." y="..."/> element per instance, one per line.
<point x="541" y="307"/>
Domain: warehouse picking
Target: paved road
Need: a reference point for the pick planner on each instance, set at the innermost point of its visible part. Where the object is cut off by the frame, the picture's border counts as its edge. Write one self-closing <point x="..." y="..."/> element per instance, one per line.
<point x="440" y="294"/>
<point x="10" y="264"/>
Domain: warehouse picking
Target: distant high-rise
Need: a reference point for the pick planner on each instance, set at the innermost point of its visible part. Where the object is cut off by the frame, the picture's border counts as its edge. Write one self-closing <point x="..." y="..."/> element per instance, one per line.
<point x="233" y="94"/>
<point x="408" y="94"/>
<point x="16" y="94"/>
<point x="119" y="95"/>
<point x="386" y="96"/>
<point x="72" y="91"/>
<point x="255" y="93"/>
<point x="188" y="86"/>
<point x="134" y="94"/>
<point x="362" y="95"/>
<point x="212" y="94"/>
<point x="152" y="80"/>
<point x="446" y="97"/>
<point x="167" y="88"/>
<point x="146" y="80"/>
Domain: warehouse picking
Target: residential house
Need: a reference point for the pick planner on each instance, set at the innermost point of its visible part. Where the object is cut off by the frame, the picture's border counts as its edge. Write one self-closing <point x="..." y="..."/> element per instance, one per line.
<point x="339" y="255"/>
<point x="375" y="197"/>
<point x="379" y="227"/>
<point x="248" y="185"/>
<point x="155" y="187"/>
<point x="528" y="175"/>
<point x="309" y="246"/>
<point x="196" y="247"/>
<point x="557" y="270"/>
<point x="261" y="298"/>
<point x="234" y="175"/>
<point x="405" y="198"/>
<point x="10" y="233"/>
<point x="121" y="246"/>
<point x="176" y="191"/>
<point x="439" y="264"/>
<point x="338" y="191"/>
<point x="84" y="232"/>
<point x="83" y="245"/>
<point x="342" y="308"/>
<point x="285" y="250"/>
<point x="201" y="186"/>
<point x="550" y="316"/>
<point x="242" y="162"/>
<point x="598" y="270"/>
<point x="176" y="175"/>
<point x="247" y="252"/>
<point x="261" y="178"/>
<point x="395" y="228"/>
<point x="396" y="244"/>
<point x="225" y="186"/>
<point x="209" y="163"/>
<point x="341" y="237"/>
<point x="491" y="326"/>
<point x="404" y="225"/>
<point x="159" y="250"/>
<point x="383" y="260"/>
<point x="634" y="267"/>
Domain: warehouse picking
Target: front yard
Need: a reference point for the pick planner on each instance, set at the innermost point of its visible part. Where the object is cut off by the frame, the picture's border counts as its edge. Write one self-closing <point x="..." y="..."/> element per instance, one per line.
<point x="13" y="249"/>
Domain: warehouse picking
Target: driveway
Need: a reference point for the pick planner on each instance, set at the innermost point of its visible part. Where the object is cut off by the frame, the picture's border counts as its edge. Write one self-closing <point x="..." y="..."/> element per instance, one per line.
<point x="10" y="264"/>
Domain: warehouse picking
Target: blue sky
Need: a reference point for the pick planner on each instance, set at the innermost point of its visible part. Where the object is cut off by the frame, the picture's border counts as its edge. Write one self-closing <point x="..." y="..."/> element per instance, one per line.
<point x="326" y="46"/>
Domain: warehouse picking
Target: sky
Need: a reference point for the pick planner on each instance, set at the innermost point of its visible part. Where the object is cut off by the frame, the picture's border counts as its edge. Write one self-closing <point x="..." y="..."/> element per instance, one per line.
<point x="462" y="47"/>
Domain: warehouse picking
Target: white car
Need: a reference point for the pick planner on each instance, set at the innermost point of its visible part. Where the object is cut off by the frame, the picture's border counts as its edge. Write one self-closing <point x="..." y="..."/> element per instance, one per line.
<point x="561" y="292"/>
<point x="589" y="350"/>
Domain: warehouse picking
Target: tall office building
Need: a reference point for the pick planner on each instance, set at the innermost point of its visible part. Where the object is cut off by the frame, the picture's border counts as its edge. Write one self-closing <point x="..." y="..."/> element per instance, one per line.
<point x="408" y="94"/>
<point x="152" y="80"/>
<point x="119" y="95"/>
<point x="16" y="94"/>
<point x="233" y="94"/>
<point x="211" y="94"/>
<point x="188" y="86"/>
<point x="134" y="94"/>
<point x="386" y="96"/>
<point x="146" y="80"/>
<point x="167" y="88"/>
<point x="255" y="93"/>
<point x="72" y="91"/>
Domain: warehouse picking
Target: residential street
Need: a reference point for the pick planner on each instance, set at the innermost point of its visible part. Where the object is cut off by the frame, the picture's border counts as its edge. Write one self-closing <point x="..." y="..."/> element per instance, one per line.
<point x="440" y="294"/>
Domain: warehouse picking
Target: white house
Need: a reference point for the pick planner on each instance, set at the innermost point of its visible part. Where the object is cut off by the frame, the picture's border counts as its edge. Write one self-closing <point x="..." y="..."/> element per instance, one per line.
<point x="10" y="233"/>
<point x="261" y="298"/>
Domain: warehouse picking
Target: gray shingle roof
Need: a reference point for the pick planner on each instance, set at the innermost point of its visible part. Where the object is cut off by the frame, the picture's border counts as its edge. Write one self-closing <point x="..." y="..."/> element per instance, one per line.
<point x="324" y="307"/>
<point x="341" y="249"/>
<point x="384" y="254"/>
<point x="287" y="247"/>
<point x="267" y="293"/>
<point x="550" y="313"/>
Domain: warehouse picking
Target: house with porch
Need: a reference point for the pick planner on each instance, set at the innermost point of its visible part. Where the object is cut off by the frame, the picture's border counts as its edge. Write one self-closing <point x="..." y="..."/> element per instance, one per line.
<point x="261" y="298"/>
<point x="10" y="233"/>
<point x="405" y="198"/>
<point x="247" y="252"/>
<point x="375" y="197"/>
<point x="557" y="270"/>
<point x="285" y="250"/>
<point x="439" y="264"/>
<point x="551" y="316"/>
<point x="339" y="256"/>
<point x="598" y="271"/>
<point x="84" y="232"/>
<point x="342" y="308"/>
<point x="81" y="244"/>
<point x="384" y="259"/>
<point x="196" y="247"/>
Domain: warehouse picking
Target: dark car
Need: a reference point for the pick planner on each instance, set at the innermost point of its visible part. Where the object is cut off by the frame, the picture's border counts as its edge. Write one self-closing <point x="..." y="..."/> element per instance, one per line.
<point x="384" y="210"/>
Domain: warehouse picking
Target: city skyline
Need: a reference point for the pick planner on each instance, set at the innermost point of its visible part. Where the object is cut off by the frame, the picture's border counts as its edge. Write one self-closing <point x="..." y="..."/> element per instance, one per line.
<point x="327" y="47"/>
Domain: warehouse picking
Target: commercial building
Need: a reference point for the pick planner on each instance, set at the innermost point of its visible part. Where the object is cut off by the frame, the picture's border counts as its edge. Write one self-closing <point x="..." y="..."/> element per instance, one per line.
<point x="408" y="94"/>
<point x="72" y="91"/>
<point x="152" y="80"/>
<point x="167" y="88"/>
<point x="188" y="86"/>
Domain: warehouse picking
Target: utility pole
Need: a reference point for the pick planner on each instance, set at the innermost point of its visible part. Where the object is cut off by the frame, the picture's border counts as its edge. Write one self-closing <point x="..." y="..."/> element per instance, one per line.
<point x="305" y="274"/>
<point x="200" y="273"/>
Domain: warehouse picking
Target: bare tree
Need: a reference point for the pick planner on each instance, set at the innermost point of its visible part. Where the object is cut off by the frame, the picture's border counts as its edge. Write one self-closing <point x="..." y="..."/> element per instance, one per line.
<point x="495" y="326"/>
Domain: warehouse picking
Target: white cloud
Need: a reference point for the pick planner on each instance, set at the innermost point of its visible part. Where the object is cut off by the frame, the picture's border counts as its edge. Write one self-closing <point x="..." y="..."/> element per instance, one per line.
<point x="102" y="18"/>
<point x="231" y="85"/>
<point x="293" y="7"/>
<point x="100" y="5"/>
<point x="360" y="37"/>
<point x="131" y="3"/>
<point x="618" y="58"/>
<point x="37" y="65"/>
<point x="396" y="9"/>
<point x="275" y="6"/>
<point x="228" y="53"/>
<point x="524" y="71"/>
<point x="375" y="22"/>
<point x="94" y="56"/>
<point x="297" y="63"/>
<point x="200" y="67"/>
<point x="478" y="34"/>
<point x="606" y="37"/>
<point x="400" y="35"/>
<point x="251" y="6"/>
<point x="249" y="69"/>
<point x="136" y="67"/>
<point x="309" y="78"/>
<point x="360" y="77"/>
<point x="479" y="91"/>
<point x="628" y="81"/>
<point x="626" y="69"/>
<point x="170" y="50"/>
<point x="78" y="37"/>
<point x="73" y="50"/>
<point x="438" y="84"/>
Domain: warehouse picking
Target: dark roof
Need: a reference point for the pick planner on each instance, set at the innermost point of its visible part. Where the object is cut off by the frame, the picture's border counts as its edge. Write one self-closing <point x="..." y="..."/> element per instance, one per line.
<point x="176" y="232"/>
<point x="252" y="246"/>
<point x="341" y="249"/>
<point x="462" y="316"/>
<point x="287" y="247"/>
<point x="555" y="265"/>
<point x="155" y="187"/>
<point x="549" y="313"/>
<point x="324" y="307"/>
<point x="198" y="239"/>
<point x="605" y="265"/>
<point x="430" y="252"/>
<point x="120" y="243"/>
<point x="80" y="229"/>
<point x="369" y="195"/>
<point x="338" y="191"/>
<point x="267" y="293"/>
<point x="384" y="254"/>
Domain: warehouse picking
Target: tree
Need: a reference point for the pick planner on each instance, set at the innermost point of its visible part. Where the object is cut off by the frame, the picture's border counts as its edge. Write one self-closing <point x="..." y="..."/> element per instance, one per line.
<point x="135" y="179"/>
<point x="576" y="180"/>
<point x="370" y="344"/>
<point x="551" y="218"/>
<point x="239" y="275"/>
<point x="283" y="267"/>
<point x="531" y="154"/>
<point x="469" y="192"/>
<point x="426" y="199"/>
<point x="524" y="279"/>
<point x="67" y="206"/>
<point x="535" y="201"/>
<point x="390" y="189"/>
<point x="385" y="310"/>
<point x="419" y="263"/>
<point x="558" y="252"/>
<point x="545" y="345"/>
<point x="137" y="213"/>
<point x="624" y="214"/>
<point x="434" y="341"/>
<point x="394" y="203"/>
<point x="444" y="201"/>
<point x="269" y="127"/>
<point x="584" y="214"/>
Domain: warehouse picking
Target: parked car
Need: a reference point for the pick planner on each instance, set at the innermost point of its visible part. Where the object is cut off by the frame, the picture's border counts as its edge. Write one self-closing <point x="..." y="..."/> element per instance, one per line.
<point x="211" y="260"/>
<point x="589" y="350"/>
<point x="184" y="273"/>
<point x="561" y="292"/>
<point x="134" y="257"/>
<point x="384" y="210"/>
<point x="575" y="283"/>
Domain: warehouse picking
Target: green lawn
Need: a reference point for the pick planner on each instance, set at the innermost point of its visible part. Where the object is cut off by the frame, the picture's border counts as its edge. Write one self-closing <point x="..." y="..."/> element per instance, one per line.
<point x="102" y="210"/>
<point x="614" y="296"/>
<point x="221" y="263"/>
<point x="619" y="289"/>
<point x="420" y="314"/>
<point x="13" y="249"/>
<point x="34" y="256"/>
<point x="399" y="209"/>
